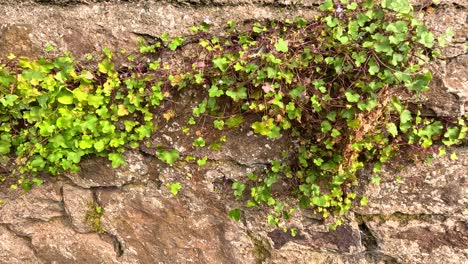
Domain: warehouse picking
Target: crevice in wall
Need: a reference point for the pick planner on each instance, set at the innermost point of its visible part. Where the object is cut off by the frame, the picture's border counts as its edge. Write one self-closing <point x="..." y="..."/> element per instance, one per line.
<point x="25" y="238"/>
<point x="118" y="246"/>
<point x="262" y="248"/>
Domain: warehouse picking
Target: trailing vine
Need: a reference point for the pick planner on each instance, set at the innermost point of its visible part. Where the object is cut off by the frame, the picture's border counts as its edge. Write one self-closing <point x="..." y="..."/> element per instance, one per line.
<point x="341" y="84"/>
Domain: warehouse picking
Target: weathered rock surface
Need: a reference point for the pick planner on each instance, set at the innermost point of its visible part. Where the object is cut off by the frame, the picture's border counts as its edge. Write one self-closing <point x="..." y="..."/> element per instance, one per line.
<point x="421" y="220"/>
<point x="97" y="172"/>
<point x="151" y="225"/>
<point x="440" y="188"/>
<point x="77" y="202"/>
<point x="15" y="249"/>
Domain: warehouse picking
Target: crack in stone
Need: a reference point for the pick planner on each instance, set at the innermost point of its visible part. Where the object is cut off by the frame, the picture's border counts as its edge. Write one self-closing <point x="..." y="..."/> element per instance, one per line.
<point x="25" y="238"/>
<point x="118" y="246"/>
<point x="262" y="248"/>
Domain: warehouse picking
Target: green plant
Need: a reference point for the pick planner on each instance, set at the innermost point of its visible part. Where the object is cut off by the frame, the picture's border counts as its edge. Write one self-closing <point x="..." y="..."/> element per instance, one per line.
<point x="93" y="217"/>
<point x="332" y="83"/>
<point x="53" y="114"/>
<point x="174" y="187"/>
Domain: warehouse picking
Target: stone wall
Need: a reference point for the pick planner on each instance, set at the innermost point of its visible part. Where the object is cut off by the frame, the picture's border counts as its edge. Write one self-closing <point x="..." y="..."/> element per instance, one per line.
<point x="422" y="219"/>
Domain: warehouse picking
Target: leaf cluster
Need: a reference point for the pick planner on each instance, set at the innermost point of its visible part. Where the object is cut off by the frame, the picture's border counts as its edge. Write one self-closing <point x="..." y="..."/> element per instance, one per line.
<point x="333" y="84"/>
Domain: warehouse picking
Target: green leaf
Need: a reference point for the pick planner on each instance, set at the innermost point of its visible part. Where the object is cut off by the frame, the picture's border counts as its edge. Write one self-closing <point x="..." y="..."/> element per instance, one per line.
<point x="80" y="95"/>
<point x="296" y="92"/>
<point x="237" y="95"/>
<point x="420" y="82"/>
<point x="352" y="6"/>
<point x="400" y="6"/>
<point x="392" y="129"/>
<point x="235" y="121"/>
<point x="320" y="201"/>
<point x="325" y="126"/>
<point x="106" y="66"/>
<point x="373" y="67"/>
<point x="215" y="92"/>
<point x="65" y="98"/>
<point x="221" y="63"/>
<point x="331" y="116"/>
<point x="364" y="201"/>
<point x="281" y="45"/>
<point x="266" y="128"/>
<point x="375" y="180"/>
<point x="331" y="21"/>
<point x="86" y="142"/>
<point x="202" y="161"/>
<point x="170" y="157"/>
<point x="318" y="161"/>
<point x="235" y="214"/>
<point x="38" y="163"/>
<point x="352" y="96"/>
<point x="199" y="142"/>
<point x="273" y="221"/>
<point x="174" y="187"/>
<point x="335" y="133"/>
<point x="238" y="188"/>
<point x="175" y="43"/>
<point x="165" y="37"/>
<point x="99" y="145"/>
<point x="452" y="133"/>
<point x="405" y="116"/>
<point x="200" y="108"/>
<point x="427" y="39"/>
<point x="327" y="5"/>
<point x="8" y="100"/>
<point x="116" y="159"/>
<point x="4" y="147"/>
<point x="218" y="124"/>
<point x="95" y="100"/>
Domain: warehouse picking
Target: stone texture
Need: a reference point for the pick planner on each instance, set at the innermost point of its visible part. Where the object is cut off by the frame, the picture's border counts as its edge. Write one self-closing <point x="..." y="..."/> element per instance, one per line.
<point x="255" y="150"/>
<point x="77" y="202"/>
<point x="15" y="249"/>
<point x="440" y="188"/>
<point x="422" y="220"/>
<point x="98" y="172"/>
<point x="40" y="204"/>
<point x="422" y="241"/>
<point x="449" y="89"/>
<point x="190" y="228"/>
<point x="55" y="241"/>
<point x="86" y="28"/>
<point x="16" y="39"/>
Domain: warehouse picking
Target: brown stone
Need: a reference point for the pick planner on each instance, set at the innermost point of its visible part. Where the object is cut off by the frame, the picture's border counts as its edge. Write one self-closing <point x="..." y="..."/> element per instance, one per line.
<point x="16" y="39"/>
<point x="151" y="225"/>
<point x="78" y="202"/>
<point x="98" y="172"/>
<point x="15" y="249"/>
